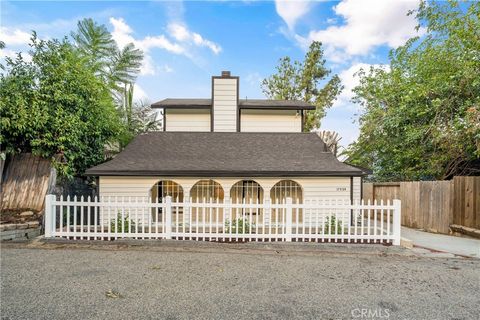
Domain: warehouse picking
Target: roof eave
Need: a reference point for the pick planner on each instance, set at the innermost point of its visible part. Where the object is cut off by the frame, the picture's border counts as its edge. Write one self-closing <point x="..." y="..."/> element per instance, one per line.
<point x="183" y="106"/>
<point x="229" y="174"/>
<point x="256" y="107"/>
<point x="265" y="107"/>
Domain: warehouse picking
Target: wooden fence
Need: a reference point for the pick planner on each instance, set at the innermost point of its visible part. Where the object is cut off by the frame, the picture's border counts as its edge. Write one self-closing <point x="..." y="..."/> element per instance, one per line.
<point x="466" y="205"/>
<point x="26" y="181"/>
<point x="433" y="205"/>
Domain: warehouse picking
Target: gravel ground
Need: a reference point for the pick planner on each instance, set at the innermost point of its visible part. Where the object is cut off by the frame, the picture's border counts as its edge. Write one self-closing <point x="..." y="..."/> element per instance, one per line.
<point x="68" y="282"/>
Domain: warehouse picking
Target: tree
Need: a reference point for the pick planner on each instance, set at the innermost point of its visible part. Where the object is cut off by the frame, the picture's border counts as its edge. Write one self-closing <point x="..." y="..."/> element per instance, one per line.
<point x="56" y="104"/>
<point x="302" y="81"/>
<point x="96" y="43"/>
<point x="117" y="66"/>
<point x="421" y="115"/>
<point x="138" y="117"/>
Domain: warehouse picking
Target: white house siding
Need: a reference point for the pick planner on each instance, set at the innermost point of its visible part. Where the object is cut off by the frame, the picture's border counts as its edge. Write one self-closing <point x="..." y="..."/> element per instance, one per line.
<point x="270" y="121"/>
<point x="225" y="104"/>
<point x="357" y="189"/>
<point x="321" y="188"/>
<point x="313" y="188"/>
<point x="187" y="120"/>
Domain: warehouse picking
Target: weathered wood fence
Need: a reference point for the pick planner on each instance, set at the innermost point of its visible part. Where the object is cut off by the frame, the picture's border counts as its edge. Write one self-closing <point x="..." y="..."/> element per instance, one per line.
<point x="433" y="205"/>
<point x="25" y="183"/>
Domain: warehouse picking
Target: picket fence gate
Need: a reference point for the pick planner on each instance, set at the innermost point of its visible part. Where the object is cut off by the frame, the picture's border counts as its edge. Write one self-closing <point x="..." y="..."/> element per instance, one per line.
<point x="213" y="220"/>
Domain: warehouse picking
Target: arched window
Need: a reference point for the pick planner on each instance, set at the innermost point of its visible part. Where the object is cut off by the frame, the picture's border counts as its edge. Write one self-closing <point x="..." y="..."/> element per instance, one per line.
<point x="286" y="189"/>
<point x="247" y="192"/>
<point x="166" y="188"/>
<point x="207" y="191"/>
<point x="280" y="192"/>
<point x="159" y="191"/>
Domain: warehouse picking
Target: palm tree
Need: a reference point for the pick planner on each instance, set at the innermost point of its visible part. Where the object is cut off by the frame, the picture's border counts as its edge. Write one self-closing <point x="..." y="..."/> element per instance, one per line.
<point x="117" y="66"/>
<point x="95" y="44"/>
<point x="125" y="65"/>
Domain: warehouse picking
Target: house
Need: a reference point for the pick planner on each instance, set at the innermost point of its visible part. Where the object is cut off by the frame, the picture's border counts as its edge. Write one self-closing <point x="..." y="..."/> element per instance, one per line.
<point x="227" y="149"/>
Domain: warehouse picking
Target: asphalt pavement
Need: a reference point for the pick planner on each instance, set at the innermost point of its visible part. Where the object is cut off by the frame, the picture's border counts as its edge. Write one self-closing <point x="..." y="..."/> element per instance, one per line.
<point x="230" y="282"/>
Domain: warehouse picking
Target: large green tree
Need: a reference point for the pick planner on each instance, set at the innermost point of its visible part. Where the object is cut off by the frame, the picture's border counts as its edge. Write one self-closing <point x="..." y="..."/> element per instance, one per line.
<point x="118" y="67"/>
<point x="56" y="105"/>
<point x="308" y="80"/>
<point x="421" y="115"/>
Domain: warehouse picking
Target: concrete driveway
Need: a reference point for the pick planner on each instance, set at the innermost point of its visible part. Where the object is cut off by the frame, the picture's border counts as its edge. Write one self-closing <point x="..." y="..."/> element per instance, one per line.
<point x="232" y="282"/>
<point x="448" y="244"/>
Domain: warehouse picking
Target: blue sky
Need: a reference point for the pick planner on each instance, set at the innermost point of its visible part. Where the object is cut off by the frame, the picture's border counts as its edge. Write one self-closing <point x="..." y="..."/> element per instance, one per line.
<point x="187" y="42"/>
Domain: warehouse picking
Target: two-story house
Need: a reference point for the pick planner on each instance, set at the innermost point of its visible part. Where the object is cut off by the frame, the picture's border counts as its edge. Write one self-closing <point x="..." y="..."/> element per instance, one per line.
<point x="224" y="148"/>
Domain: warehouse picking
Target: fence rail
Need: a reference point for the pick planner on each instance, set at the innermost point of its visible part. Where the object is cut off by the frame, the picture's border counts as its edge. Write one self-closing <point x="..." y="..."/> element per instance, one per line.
<point x="215" y="220"/>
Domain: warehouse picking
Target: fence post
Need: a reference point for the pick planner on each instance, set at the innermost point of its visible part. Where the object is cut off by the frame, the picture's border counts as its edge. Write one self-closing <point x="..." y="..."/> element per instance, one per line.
<point x="397" y="211"/>
<point x="227" y="212"/>
<point x="49" y="215"/>
<point x="268" y="211"/>
<point x="168" y="217"/>
<point x="288" y="220"/>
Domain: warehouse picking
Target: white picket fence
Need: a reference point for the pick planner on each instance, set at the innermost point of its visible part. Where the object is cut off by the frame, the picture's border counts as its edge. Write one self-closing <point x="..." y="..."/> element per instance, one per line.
<point x="315" y="220"/>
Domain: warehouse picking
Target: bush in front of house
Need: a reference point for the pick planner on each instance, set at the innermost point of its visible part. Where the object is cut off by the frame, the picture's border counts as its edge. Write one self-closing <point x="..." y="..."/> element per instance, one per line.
<point x="239" y="225"/>
<point x="333" y="226"/>
<point x="120" y="225"/>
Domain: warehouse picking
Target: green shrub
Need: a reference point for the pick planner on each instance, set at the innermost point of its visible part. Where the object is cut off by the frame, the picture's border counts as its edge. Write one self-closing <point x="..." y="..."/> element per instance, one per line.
<point x="330" y="224"/>
<point x="239" y="225"/>
<point x="128" y="224"/>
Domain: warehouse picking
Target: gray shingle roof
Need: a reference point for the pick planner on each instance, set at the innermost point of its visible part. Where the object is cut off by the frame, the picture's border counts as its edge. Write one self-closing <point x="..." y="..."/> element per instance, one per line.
<point x="243" y="104"/>
<point x="225" y="154"/>
<point x="263" y="103"/>
<point x="183" y="103"/>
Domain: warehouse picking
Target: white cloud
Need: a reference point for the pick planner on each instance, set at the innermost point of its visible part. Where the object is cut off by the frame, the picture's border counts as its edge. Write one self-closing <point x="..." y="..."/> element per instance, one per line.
<point x="122" y="34"/>
<point x="7" y="53"/>
<point x="148" y="66"/>
<point x="167" y="69"/>
<point x="182" y="43"/>
<point x="161" y="42"/>
<point x="331" y="20"/>
<point x="14" y="37"/>
<point x="181" y="33"/>
<point x="254" y="79"/>
<point x="139" y="93"/>
<point x="291" y="11"/>
<point x="367" y="24"/>
<point x="178" y="31"/>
